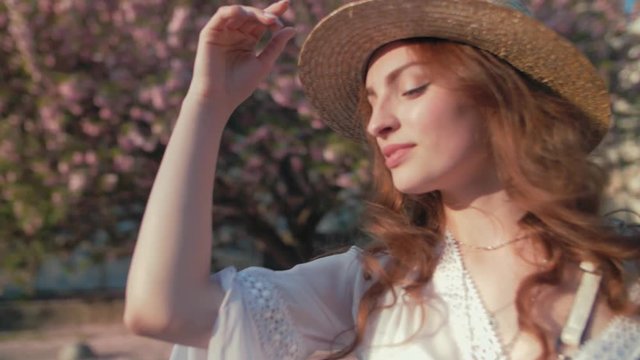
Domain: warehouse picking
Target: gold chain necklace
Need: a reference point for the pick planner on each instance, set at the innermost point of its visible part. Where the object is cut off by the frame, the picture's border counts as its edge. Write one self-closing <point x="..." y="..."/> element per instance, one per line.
<point x="506" y="347"/>
<point x="492" y="247"/>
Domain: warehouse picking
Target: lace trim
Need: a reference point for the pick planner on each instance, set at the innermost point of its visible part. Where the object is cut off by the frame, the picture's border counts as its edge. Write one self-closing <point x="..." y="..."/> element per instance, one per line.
<point x="619" y="341"/>
<point x="467" y="309"/>
<point x="269" y="312"/>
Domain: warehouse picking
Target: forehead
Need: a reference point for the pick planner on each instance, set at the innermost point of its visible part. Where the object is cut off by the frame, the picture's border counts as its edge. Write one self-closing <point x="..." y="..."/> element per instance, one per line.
<point x="391" y="57"/>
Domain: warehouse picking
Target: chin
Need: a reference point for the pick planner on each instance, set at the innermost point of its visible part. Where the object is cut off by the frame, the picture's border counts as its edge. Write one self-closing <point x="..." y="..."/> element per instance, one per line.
<point x="414" y="187"/>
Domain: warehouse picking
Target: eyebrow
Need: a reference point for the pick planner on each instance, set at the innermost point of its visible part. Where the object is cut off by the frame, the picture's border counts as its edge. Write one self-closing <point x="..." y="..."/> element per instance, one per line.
<point x="393" y="75"/>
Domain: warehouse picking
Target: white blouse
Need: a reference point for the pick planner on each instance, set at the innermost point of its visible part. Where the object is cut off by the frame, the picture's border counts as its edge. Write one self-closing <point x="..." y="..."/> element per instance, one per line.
<point x="309" y="310"/>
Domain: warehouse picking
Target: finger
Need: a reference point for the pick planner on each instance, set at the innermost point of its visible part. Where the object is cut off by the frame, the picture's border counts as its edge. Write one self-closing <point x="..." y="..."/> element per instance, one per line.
<point x="256" y="28"/>
<point x="255" y="31"/>
<point x="240" y="21"/>
<point x="235" y="15"/>
<point x="278" y="8"/>
<point x="276" y="45"/>
<point x="252" y="16"/>
<point x="258" y="31"/>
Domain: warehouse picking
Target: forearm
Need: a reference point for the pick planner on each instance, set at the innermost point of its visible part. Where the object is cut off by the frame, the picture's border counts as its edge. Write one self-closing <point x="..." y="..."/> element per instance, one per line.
<point x="169" y="275"/>
<point x="169" y="295"/>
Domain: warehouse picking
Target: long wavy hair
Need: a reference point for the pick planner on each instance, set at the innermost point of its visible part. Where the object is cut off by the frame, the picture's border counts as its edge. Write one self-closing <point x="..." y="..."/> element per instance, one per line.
<point x="540" y="145"/>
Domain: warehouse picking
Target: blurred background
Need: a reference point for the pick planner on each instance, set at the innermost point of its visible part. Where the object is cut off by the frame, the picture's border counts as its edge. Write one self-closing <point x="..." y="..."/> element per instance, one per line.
<point x="89" y="91"/>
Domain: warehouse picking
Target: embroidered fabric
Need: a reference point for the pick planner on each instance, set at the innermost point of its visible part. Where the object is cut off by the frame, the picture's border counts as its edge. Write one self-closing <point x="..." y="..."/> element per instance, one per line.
<point x="259" y="318"/>
<point x="268" y="310"/>
<point x="480" y="340"/>
<point x="618" y="341"/>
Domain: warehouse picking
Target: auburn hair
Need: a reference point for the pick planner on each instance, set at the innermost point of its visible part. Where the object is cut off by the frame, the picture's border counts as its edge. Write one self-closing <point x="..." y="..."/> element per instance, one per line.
<point x="540" y="144"/>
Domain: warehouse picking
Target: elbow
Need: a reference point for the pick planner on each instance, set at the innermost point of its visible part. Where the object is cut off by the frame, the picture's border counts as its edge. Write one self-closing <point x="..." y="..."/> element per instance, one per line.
<point x="160" y="325"/>
<point x="143" y="321"/>
<point x="135" y="323"/>
<point x="146" y="315"/>
<point x="180" y="321"/>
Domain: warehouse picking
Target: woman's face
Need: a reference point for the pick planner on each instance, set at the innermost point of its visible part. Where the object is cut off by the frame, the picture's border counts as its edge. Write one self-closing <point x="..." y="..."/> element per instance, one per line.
<point x="432" y="137"/>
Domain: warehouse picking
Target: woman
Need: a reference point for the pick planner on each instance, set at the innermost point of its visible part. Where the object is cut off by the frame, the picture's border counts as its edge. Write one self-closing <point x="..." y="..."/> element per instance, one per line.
<point x="484" y="214"/>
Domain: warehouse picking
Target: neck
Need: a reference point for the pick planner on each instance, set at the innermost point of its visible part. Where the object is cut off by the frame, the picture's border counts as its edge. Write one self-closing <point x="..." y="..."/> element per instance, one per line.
<point x="482" y="215"/>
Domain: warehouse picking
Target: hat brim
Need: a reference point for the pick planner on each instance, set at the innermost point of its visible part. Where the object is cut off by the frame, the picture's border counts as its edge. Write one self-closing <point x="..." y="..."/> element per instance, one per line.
<point x="333" y="57"/>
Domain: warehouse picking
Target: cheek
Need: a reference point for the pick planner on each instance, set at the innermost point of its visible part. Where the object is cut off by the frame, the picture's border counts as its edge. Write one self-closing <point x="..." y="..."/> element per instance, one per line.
<point x="451" y="126"/>
<point x="472" y="122"/>
<point x="441" y="117"/>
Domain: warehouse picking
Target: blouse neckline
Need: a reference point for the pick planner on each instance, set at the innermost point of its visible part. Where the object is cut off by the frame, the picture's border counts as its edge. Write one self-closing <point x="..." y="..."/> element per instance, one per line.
<point x="452" y="248"/>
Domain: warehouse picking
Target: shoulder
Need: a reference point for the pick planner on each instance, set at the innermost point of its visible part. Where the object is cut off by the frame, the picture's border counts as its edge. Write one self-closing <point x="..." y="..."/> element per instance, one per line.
<point x="619" y="341"/>
<point x="351" y="259"/>
<point x="336" y="272"/>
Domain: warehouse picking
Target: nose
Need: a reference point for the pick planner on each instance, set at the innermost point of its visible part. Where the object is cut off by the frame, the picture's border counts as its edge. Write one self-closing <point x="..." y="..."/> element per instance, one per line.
<point x="382" y="121"/>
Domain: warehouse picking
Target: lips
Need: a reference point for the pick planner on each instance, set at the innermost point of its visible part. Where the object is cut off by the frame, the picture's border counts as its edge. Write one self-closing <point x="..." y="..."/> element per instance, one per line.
<point x="395" y="154"/>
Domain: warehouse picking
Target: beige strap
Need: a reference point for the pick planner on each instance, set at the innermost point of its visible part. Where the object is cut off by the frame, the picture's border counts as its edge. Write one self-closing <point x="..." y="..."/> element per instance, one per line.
<point x="583" y="305"/>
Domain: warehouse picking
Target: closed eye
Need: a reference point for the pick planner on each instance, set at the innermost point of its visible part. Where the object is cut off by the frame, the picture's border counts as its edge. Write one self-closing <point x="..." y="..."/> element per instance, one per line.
<point x="416" y="91"/>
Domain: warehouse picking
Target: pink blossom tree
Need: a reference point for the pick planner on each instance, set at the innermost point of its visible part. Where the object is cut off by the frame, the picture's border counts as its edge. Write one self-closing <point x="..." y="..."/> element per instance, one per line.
<point x="90" y="90"/>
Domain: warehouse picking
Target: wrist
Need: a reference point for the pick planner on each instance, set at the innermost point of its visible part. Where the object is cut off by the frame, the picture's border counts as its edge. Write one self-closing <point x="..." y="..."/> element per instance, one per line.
<point x="213" y="109"/>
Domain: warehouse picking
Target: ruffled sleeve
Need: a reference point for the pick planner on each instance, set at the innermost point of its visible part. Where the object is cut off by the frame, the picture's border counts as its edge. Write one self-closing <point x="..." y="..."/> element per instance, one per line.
<point x="284" y="315"/>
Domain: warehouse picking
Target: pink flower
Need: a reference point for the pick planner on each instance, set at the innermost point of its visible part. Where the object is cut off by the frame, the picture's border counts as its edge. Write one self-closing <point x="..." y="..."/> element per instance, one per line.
<point x="178" y="19"/>
<point x="77" y="158"/>
<point x="330" y="155"/>
<point x="77" y="182"/>
<point x="127" y="12"/>
<point x="69" y="90"/>
<point x="297" y="164"/>
<point x="304" y="109"/>
<point x="90" y="158"/>
<point x="63" y="167"/>
<point x="109" y="181"/>
<point x="345" y="181"/>
<point x="318" y="124"/>
<point x="90" y="129"/>
<point x="124" y="163"/>
<point x="106" y="113"/>
<point x="284" y="89"/>
<point x="8" y="151"/>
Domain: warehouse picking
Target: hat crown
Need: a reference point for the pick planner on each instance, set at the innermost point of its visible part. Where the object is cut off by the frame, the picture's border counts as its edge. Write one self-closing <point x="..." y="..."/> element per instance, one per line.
<point x="512" y="4"/>
<point x="333" y="56"/>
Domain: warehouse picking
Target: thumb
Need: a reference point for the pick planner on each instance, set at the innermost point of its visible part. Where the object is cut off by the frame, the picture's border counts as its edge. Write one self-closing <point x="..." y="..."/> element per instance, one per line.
<point x="276" y="45"/>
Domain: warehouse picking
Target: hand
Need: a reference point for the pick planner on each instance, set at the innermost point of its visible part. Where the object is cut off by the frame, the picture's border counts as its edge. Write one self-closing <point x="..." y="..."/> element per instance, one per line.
<point x="227" y="67"/>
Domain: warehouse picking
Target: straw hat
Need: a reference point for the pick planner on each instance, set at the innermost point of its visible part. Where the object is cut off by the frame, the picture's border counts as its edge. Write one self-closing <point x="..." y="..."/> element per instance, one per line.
<point x="333" y="58"/>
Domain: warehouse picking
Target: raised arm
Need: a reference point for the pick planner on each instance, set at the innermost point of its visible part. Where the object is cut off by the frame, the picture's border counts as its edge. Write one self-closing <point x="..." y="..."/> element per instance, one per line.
<point x="169" y="295"/>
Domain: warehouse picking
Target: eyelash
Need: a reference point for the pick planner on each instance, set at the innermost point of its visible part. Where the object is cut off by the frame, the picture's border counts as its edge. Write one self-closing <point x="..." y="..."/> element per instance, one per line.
<point x="416" y="91"/>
